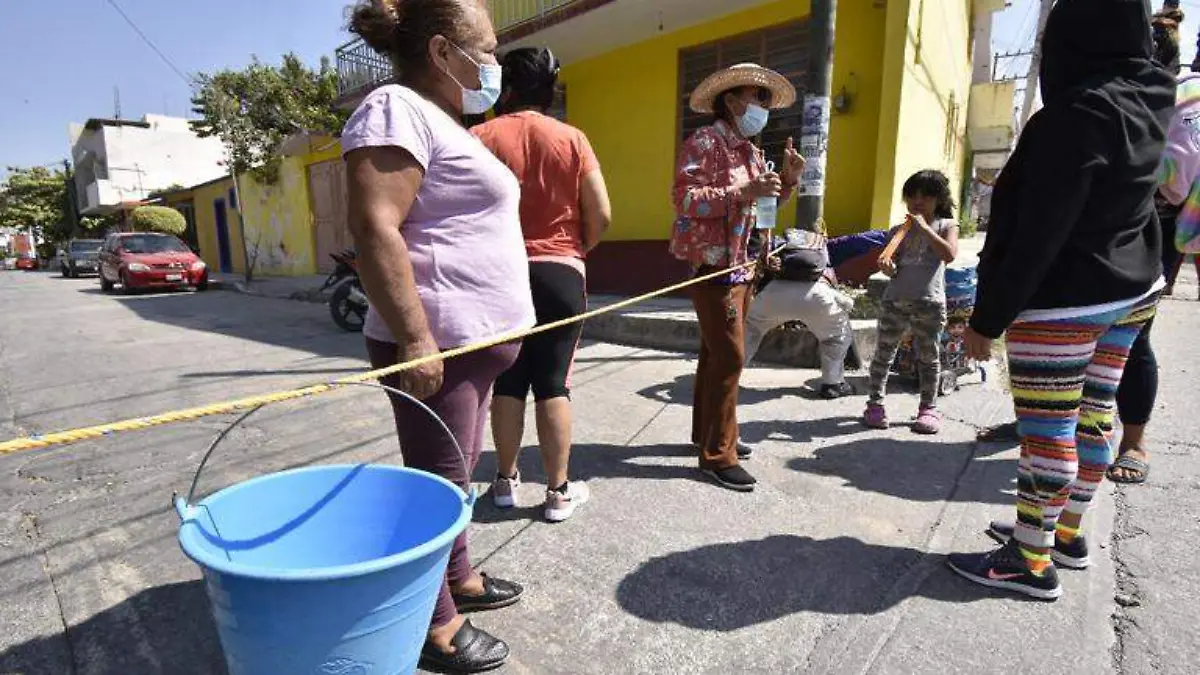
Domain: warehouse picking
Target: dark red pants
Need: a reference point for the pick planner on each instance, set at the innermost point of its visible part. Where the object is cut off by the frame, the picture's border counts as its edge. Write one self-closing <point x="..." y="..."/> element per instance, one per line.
<point x="462" y="404"/>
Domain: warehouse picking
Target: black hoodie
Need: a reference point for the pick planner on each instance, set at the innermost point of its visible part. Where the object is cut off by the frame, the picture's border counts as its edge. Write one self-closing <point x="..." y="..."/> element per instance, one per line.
<point x="1073" y="219"/>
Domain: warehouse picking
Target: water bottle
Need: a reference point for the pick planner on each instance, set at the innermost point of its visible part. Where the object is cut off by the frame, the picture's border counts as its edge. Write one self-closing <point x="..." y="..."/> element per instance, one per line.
<point x="766" y="208"/>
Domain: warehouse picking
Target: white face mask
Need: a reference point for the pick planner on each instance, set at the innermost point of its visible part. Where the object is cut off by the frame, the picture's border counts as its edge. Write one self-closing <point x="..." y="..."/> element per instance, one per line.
<point x="479" y="101"/>
<point x="754" y="120"/>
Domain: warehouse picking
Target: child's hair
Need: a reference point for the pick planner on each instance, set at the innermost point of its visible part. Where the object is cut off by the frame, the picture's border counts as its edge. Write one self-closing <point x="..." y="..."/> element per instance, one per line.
<point x="931" y="183"/>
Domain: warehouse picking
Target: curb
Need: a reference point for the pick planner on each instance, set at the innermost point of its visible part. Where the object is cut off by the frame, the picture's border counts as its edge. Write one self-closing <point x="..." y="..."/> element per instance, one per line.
<point x="792" y="345"/>
<point x="312" y="296"/>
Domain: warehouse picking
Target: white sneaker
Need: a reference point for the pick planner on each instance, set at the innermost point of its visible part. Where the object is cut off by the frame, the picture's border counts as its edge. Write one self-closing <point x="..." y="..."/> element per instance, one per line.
<point x="504" y="491"/>
<point x="560" y="507"/>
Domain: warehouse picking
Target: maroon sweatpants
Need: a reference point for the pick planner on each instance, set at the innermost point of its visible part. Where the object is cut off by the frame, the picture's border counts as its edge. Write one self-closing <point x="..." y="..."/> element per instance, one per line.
<point x="462" y="404"/>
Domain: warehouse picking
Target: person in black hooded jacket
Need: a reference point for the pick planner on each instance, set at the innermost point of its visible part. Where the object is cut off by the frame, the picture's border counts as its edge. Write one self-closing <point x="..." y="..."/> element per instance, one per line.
<point x="1072" y="270"/>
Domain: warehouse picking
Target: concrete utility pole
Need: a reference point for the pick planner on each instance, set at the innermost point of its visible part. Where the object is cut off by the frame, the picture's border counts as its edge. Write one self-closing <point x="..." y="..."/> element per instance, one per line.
<point x="1035" y="63"/>
<point x="814" y="125"/>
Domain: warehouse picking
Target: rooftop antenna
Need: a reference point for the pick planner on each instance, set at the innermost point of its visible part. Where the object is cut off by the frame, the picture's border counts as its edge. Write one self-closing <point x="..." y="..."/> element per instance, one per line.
<point x="116" y="103"/>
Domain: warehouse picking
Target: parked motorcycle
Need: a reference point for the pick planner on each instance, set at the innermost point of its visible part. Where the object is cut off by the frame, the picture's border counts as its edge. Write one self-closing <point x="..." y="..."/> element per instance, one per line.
<point x="348" y="304"/>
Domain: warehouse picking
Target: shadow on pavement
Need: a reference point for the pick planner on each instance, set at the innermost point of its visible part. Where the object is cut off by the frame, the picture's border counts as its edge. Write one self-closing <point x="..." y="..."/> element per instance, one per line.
<point x="798" y="431"/>
<point x="166" y="629"/>
<point x="921" y="471"/>
<point x="679" y="392"/>
<point x="294" y="325"/>
<point x="727" y="587"/>
<point x="588" y="461"/>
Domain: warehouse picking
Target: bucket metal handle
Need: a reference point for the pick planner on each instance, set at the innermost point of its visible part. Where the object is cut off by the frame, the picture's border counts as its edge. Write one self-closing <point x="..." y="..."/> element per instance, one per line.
<point x="183" y="505"/>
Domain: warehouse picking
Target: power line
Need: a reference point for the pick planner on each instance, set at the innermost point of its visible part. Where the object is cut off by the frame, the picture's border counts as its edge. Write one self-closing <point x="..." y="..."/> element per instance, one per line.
<point x="150" y="43"/>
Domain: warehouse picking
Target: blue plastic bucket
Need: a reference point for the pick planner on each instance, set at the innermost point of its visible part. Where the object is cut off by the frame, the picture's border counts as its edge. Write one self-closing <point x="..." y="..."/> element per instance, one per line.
<point x="325" y="570"/>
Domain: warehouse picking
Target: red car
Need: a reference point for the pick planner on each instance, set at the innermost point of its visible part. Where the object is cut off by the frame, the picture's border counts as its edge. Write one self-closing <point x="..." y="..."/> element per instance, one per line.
<point x="27" y="262"/>
<point x="142" y="260"/>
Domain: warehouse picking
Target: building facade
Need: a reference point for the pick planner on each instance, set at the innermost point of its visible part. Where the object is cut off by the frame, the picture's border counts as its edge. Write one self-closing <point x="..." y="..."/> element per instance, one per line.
<point x="286" y="228"/>
<point x="901" y="84"/>
<point x="125" y="161"/>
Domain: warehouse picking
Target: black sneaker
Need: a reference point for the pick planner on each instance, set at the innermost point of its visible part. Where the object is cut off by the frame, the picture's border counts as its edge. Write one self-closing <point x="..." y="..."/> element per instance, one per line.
<point x="734" y="478"/>
<point x="835" y="391"/>
<point x="1073" y="556"/>
<point x="1005" y="568"/>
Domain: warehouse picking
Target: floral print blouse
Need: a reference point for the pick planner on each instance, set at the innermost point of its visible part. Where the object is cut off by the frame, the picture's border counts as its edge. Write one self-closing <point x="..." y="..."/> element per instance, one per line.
<point x="713" y="220"/>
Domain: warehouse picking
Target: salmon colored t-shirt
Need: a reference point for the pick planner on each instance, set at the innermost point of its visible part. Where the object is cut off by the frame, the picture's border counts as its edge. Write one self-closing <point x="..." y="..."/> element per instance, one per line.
<point x="549" y="159"/>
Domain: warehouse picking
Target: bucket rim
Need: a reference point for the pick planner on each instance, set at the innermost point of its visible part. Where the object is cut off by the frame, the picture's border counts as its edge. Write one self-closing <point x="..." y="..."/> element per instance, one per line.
<point x="189" y="537"/>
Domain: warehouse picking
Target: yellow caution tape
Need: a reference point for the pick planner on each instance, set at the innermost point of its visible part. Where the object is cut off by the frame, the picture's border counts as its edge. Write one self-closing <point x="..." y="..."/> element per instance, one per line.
<point x="101" y="430"/>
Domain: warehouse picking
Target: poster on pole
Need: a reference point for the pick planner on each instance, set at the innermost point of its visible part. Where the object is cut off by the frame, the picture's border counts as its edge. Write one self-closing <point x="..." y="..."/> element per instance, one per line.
<point x="814" y="145"/>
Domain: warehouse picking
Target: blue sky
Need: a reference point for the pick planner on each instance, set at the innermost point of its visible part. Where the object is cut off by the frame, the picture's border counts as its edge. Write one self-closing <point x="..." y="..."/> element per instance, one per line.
<point x="61" y="61"/>
<point x="1015" y="28"/>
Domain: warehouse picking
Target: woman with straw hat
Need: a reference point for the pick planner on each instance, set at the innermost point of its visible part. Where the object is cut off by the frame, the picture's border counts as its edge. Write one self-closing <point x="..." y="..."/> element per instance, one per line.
<point x="721" y="178"/>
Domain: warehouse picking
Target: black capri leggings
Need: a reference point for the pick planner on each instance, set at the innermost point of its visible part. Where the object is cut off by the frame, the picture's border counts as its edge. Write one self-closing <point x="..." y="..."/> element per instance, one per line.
<point x="1138" y="390"/>
<point x="545" y="361"/>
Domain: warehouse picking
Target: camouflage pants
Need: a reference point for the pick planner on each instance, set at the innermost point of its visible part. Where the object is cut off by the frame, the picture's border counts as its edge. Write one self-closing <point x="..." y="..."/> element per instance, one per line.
<point x="925" y="320"/>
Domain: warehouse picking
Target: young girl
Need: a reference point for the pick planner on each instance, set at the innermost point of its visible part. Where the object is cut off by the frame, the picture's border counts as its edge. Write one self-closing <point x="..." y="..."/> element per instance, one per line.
<point x="915" y="300"/>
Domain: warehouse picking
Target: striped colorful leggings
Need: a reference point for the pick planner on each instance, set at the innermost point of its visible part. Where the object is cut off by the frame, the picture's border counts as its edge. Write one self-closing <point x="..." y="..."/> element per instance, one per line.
<point x="1064" y="377"/>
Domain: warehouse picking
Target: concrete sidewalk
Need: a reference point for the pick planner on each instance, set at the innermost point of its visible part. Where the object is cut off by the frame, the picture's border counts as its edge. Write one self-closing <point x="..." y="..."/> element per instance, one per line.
<point x="303" y="288"/>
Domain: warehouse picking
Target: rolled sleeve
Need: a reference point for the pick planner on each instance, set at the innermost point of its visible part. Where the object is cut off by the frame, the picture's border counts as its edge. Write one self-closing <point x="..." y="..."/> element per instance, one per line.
<point x="388" y="118"/>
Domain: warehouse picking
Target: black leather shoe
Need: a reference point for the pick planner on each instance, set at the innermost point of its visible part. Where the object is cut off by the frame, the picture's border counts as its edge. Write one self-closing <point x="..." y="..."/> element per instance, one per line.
<point x="475" y="651"/>
<point x="497" y="593"/>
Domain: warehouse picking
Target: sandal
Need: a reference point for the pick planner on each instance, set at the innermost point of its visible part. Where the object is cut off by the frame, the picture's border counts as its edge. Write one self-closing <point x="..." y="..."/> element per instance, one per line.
<point x="1002" y="433"/>
<point x="929" y="422"/>
<point x="1139" y="467"/>
<point x="876" y="417"/>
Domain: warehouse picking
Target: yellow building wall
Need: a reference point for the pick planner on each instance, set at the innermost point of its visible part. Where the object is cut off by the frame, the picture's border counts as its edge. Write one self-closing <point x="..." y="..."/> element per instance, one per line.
<point x="627" y="102"/>
<point x="279" y="217"/>
<point x="202" y="199"/>
<point x="928" y="89"/>
<point x="279" y="222"/>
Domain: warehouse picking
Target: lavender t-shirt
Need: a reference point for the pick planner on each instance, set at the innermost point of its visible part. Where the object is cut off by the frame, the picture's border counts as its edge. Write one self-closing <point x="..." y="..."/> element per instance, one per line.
<point x="464" y="229"/>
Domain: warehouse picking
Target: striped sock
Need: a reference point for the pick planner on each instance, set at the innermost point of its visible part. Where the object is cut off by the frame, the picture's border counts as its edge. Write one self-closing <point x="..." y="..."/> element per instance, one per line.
<point x="1066" y="534"/>
<point x="1038" y="562"/>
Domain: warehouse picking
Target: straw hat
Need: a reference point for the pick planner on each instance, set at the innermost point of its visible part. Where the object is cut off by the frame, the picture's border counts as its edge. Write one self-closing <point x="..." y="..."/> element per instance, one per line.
<point x="783" y="94"/>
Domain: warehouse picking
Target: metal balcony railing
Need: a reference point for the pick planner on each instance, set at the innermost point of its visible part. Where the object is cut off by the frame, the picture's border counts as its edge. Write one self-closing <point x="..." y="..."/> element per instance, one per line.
<point x="508" y="14"/>
<point x="359" y="67"/>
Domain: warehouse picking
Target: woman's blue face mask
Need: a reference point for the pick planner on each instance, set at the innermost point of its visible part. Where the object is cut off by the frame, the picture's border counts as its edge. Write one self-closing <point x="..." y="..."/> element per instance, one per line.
<point x="752" y="122"/>
<point x="479" y="101"/>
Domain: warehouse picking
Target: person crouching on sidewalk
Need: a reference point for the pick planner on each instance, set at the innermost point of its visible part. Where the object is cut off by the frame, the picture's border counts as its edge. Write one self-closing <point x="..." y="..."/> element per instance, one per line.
<point x="915" y="299"/>
<point x="800" y="287"/>
<point x="721" y="175"/>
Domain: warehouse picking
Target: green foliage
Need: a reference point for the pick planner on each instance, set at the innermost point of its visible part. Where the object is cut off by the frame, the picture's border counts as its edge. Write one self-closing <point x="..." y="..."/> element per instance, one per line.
<point x="253" y="110"/>
<point x="162" y="219"/>
<point x="968" y="228"/>
<point x="95" y="226"/>
<point x="35" y="200"/>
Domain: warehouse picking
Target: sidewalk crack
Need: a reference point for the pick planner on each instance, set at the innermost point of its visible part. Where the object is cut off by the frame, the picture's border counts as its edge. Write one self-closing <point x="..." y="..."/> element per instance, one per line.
<point x="33" y="532"/>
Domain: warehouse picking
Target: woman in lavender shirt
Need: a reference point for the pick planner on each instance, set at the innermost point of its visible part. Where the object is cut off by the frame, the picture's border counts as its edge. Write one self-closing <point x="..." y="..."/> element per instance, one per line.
<point x="436" y="224"/>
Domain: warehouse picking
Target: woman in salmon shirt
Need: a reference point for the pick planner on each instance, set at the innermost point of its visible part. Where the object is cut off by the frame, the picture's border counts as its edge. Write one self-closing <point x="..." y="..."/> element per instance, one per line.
<point x="564" y="212"/>
<point x="721" y="176"/>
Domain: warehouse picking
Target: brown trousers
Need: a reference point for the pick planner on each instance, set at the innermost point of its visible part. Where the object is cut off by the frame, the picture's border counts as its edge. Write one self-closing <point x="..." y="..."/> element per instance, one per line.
<point x="721" y="310"/>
